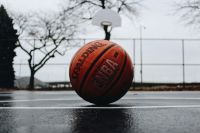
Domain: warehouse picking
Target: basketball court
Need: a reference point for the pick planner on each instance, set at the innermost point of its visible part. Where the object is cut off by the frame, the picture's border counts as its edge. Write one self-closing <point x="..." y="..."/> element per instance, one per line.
<point x="65" y="111"/>
<point x="136" y="112"/>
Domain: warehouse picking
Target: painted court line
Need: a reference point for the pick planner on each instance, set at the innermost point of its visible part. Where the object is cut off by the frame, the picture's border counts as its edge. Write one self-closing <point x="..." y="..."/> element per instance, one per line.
<point x="126" y="107"/>
<point x="162" y="98"/>
<point x="38" y="100"/>
<point x="146" y="98"/>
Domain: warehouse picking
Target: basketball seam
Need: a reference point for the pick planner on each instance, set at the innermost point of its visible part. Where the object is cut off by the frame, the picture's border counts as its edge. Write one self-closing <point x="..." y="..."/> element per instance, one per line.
<point x="91" y="66"/>
<point x="121" y="72"/>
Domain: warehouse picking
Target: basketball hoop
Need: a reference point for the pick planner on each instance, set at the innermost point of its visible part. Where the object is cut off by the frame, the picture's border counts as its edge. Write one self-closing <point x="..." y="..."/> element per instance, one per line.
<point x="106" y="23"/>
<point x="106" y="17"/>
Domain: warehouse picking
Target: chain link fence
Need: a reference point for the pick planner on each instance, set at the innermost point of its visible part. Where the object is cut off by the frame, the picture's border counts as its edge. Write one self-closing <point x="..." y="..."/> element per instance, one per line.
<point x="155" y="61"/>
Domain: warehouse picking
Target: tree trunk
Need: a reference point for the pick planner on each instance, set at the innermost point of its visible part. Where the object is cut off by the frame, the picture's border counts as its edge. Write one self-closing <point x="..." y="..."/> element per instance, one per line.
<point x="31" y="81"/>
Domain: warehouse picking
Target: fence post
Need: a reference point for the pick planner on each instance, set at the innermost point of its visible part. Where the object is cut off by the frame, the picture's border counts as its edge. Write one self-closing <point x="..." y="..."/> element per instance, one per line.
<point x="183" y="62"/>
<point x="84" y="41"/>
<point x="134" y="63"/>
<point x="141" y="61"/>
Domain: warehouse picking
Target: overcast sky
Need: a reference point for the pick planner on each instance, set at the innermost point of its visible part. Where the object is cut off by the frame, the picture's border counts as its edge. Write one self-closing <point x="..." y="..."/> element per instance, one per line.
<point x="156" y="16"/>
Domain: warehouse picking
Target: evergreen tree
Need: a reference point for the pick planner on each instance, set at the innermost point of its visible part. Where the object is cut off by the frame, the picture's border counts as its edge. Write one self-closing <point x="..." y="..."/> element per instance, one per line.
<point x="8" y="39"/>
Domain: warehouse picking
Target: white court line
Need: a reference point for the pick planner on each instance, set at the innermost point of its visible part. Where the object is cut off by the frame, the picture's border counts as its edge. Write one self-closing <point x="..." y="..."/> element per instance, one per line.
<point x="37" y="100"/>
<point x="126" y="107"/>
<point x="162" y="98"/>
<point x="146" y="98"/>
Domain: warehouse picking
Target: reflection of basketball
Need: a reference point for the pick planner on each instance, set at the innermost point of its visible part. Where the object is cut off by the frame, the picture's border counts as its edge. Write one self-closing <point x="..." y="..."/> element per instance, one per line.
<point x="101" y="72"/>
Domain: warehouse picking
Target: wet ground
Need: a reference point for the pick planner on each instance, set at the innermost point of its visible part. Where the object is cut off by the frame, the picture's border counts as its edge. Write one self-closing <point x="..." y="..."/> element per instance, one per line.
<point x="65" y="112"/>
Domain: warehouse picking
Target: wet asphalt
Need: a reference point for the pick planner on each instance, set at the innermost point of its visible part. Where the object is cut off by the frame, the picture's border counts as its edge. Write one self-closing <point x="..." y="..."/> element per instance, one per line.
<point x="65" y="112"/>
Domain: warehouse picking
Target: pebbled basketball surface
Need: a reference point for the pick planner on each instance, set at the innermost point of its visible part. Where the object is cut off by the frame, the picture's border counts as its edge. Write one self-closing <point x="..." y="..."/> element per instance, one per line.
<point x="101" y="72"/>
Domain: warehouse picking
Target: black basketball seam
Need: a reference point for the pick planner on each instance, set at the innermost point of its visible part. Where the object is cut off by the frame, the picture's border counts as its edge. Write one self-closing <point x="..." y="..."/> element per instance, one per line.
<point x="91" y="66"/>
<point x="120" y="74"/>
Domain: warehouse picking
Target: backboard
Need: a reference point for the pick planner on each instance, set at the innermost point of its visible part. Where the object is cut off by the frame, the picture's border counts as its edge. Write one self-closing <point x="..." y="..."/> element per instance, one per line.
<point x="107" y="17"/>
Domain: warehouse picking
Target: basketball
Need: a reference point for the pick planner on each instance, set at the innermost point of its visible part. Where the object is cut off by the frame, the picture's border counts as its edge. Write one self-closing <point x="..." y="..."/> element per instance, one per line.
<point x="101" y="72"/>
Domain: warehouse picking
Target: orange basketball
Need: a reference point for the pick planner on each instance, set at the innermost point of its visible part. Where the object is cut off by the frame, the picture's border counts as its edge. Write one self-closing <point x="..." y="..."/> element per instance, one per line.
<point x="101" y="72"/>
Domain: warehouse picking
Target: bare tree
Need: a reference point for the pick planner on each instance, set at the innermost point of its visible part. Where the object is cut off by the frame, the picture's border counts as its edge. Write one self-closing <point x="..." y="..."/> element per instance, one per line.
<point x="86" y="9"/>
<point x="189" y="11"/>
<point x="44" y="36"/>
